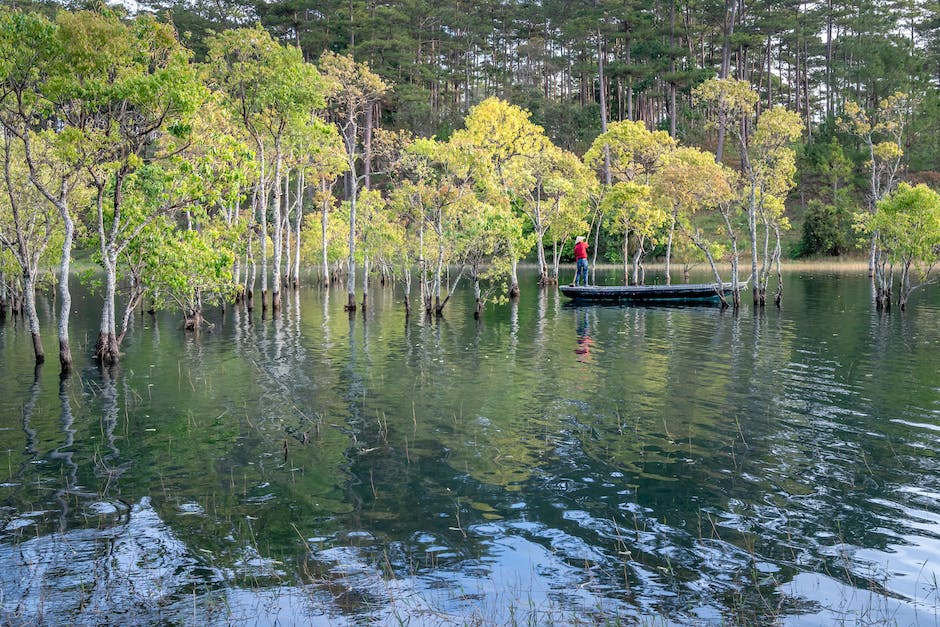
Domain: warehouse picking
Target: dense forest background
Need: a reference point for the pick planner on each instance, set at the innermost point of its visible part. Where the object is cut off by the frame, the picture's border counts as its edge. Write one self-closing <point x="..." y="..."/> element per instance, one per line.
<point x="568" y="61"/>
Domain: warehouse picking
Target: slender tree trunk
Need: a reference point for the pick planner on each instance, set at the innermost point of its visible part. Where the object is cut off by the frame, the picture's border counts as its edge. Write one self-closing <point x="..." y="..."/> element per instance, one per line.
<point x="672" y="70"/>
<point x="636" y="260"/>
<point x="477" y="297"/>
<point x="29" y="308"/>
<point x="3" y="297"/>
<point x="365" y="282"/>
<point x="513" y="276"/>
<point x="904" y="289"/>
<point x="425" y="293"/>
<point x="711" y="262"/>
<point x="367" y="147"/>
<point x="752" y="230"/>
<point x="133" y="299"/>
<point x="288" y="278"/>
<point x="778" y="297"/>
<point x="250" y="277"/>
<point x="830" y="107"/>
<point x="278" y="238"/>
<point x="106" y="348"/>
<point x="731" y="8"/>
<point x="597" y="237"/>
<point x="351" y="189"/>
<point x="630" y="116"/>
<point x="65" y="294"/>
<point x="438" y="276"/>
<point x="672" y="231"/>
<point x="602" y="100"/>
<point x="406" y="275"/>
<point x="28" y="259"/>
<point x="324" y="221"/>
<point x="298" y="221"/>
<point x="263" y="235"/>
<point x="544" y="278"/>
<point x="556" y="260"/>
<point x="540" y="240"/>
<point x="735" y="287"/>
<point x="626" y="256"/>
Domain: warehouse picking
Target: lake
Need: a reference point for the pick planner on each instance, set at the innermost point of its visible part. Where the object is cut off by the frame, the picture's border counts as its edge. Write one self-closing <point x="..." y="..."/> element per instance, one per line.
<point x="550" y="464"/>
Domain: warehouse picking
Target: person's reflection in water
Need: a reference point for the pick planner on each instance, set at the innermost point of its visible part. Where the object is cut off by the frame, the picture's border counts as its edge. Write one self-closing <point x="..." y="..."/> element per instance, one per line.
<point x="583" y="349"/>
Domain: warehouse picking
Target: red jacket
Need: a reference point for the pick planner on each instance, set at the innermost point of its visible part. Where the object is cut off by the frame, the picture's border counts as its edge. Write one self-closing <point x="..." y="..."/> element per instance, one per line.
<point x="580" y="250"/>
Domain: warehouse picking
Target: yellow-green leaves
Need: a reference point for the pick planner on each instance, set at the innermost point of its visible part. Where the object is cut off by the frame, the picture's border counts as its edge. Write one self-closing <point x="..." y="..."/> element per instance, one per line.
<point x="729" y="97"/>
<point x="882" y="131"/>
<point x="634" y="152"/>
<point x="503" y="148"/>
<point x="268" y="85"/>
<point x="629" y="205"/>
<point x="350" y="85"/>
<point x="907" y="223"/>
<point x="690" y="180"/>
<point x="906" y="229"/>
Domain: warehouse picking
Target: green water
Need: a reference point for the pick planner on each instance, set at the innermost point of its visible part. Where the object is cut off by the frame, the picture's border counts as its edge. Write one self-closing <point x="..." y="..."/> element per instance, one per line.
<point x="550" y="464"/>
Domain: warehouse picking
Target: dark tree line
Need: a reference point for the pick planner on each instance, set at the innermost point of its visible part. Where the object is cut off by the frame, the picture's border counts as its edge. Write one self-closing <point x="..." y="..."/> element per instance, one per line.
<point x="445" y="56"/>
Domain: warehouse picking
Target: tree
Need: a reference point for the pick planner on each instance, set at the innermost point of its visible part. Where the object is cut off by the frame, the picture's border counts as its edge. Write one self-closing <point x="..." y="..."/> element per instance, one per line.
<point x="353" y="90"/>
<point x="689" y="183"/>
<point x="628" y="208"/>
<point x="321" y="158"/>
<point x="486" y="234"/>
<point x="569" y="217"/>
<point x="770" y="177"/>
<point x="189" y="260"/>
<point x="273" y="91"/>
<point x="634" y="155"/>
<point x="27" y="224"/>
<point x="27" y="221"/>
<point x="906" y="224"/>
<point x="128" y="83"/>
<point x="882" y="132"/>
<point x="188" y="268"/>
<point x="36" y="60"/>
<point x="547" y="181"/>
<point x="505" y="146"/>
<point x="824" y="172"/>
<point x="767" y="169"/>
<point x="441" y="193"/>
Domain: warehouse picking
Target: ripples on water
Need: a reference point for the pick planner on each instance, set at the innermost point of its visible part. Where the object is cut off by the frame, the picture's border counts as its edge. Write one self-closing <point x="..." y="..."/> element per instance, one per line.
<point x="549" y="464"/>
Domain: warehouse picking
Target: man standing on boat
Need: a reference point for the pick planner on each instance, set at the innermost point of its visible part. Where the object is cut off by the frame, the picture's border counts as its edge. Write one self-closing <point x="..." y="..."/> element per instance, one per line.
<point x="580" y="258"/>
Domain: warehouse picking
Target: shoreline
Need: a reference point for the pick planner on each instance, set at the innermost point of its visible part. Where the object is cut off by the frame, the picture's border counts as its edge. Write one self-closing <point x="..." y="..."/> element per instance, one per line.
<point x="836" y="265"/>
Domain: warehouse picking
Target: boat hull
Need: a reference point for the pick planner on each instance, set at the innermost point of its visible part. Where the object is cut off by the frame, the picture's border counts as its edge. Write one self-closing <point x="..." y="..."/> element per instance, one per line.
<point x="697" y="292"/>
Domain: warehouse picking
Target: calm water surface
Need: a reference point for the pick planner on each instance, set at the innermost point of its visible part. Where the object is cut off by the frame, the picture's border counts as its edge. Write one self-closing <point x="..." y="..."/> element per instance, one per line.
<point x="551" y="464"/>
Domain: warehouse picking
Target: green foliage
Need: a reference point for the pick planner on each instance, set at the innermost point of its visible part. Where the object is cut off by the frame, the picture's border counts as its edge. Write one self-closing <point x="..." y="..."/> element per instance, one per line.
<point x="268" y="86"/>
<point x="633" y="151"/>
<point x="827" y="230"/>
<point x="187" y="268"/>
<point x="907" y="225"/>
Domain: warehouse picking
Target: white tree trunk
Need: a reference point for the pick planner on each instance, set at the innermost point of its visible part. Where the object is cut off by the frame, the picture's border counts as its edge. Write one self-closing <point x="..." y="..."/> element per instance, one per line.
<point x="278" y="238"/>
<point x="298" y="220"/>
<point x="65" y="294"/>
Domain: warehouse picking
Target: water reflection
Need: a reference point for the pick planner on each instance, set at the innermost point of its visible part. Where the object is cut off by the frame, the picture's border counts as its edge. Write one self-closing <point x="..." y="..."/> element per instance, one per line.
<point x="583" y="348"/>
<point x="64" y="454"/>
<point x="28" y="408"/>
<point x="685" y="463"/>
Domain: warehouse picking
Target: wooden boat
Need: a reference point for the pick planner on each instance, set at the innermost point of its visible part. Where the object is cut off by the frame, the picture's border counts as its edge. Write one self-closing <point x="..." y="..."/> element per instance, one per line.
<point x="684" y="292"/>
